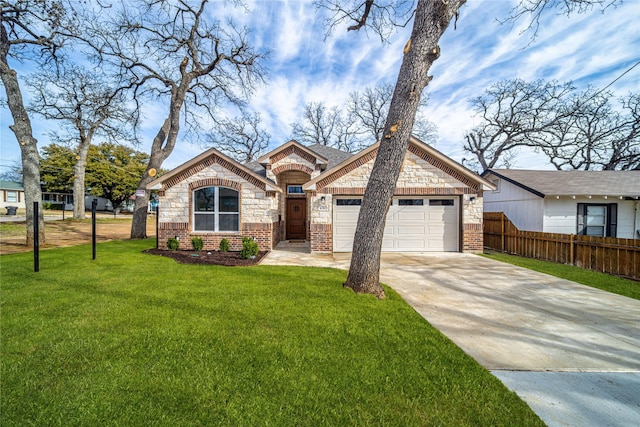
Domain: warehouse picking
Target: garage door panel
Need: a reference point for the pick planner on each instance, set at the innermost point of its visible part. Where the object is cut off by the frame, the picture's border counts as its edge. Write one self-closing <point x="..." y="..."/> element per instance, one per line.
<point x="345" y="230"/>
<point x="411" y="215"/>
<point x="417" y="230"/>
<point x="343" y="246"/>
<point x="411" y="245"/>
<point x="347" y="214"/>
<point x="409" y="228"/>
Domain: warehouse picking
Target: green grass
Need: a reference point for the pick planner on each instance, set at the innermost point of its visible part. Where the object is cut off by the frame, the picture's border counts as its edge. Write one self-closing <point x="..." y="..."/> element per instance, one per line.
<point x="10" y="229"/>
<point x="135" y="339"/>
<point x="606" y="282"/>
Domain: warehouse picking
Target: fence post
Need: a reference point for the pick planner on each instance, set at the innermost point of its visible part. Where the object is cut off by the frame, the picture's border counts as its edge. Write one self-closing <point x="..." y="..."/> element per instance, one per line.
<point x="572" y="251"/>
<point x="36" y="237"/>
<point x="157" y="222"/>
<point x="94" y="204"/>
<point x="502" y="231"/>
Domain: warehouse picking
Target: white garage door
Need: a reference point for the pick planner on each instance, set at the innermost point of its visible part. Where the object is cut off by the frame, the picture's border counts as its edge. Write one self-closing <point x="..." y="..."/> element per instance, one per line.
<point x="418" y="224"/>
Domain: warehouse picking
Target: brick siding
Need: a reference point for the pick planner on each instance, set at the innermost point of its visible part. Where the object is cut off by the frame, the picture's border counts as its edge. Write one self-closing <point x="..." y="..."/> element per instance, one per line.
<point x="472" y="238"/>
<point x="266" y="236"/>
<point x="321" y="237"/>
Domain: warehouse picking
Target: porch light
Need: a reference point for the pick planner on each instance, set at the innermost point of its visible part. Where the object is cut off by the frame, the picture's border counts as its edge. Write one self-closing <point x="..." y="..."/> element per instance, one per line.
<point x="323" y="199"/>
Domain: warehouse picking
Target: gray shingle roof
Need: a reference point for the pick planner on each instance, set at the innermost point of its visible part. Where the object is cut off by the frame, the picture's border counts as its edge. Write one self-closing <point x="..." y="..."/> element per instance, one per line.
<point x="257" y="168"/>
<point x="574" y="183"/>
<point x="333" y="155"/>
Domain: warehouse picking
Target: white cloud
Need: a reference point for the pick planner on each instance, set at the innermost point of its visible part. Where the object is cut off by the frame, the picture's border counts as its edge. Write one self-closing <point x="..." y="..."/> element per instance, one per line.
<point x="589" y="49"/>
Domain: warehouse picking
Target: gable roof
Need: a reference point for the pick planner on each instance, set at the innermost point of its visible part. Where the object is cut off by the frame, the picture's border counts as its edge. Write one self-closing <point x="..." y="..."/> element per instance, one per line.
<point x="321" y="160"/>
<point x="573" y="183"/>
<point x="436" y="156"/>
<point x="11" y="185"/>
<point x="202" y="160"/>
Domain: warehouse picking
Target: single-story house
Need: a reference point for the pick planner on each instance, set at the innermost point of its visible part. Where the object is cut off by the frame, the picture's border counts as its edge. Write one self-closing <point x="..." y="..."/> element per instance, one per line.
<point x="58" y="200"/>
<point x="313" y="193"/>
<point x="595" y="203"/>
<point x="11" y="194"/>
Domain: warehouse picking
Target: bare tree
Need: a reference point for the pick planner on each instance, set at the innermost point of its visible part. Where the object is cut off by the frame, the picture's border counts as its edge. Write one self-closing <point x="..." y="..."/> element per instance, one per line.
<point x="592" y="134"/>
<point x="431" y="19"/>
<point x="368" y="110"/>
<point x="370" y="107"/>
<point x="12" y="172"/>
<point x="512" y="112"/>
<point x="574" y="130"/>
<point x="174" y="53"/>
<point x="327" y="126"/>
<point x="626" y="152"/>
<point x="31" y="30"/>
<point x="358" y="125"/>
<point x="533" y="10"/>
<point x="241" y="138"/>
<point x="87" y="106"/>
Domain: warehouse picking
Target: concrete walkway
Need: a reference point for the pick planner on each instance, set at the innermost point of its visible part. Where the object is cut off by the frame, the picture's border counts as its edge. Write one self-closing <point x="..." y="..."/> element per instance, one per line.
<point x="570" y="351"/>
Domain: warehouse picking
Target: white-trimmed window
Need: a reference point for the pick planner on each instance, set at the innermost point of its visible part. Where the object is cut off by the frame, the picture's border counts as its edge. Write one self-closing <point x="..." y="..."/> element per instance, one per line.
<point x="294" y="189"/>
<point x="12" y="196"/>
<point x="216" y="209"/>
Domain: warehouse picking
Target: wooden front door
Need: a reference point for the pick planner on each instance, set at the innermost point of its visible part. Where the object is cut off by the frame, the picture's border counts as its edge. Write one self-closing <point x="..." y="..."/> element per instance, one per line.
<point x="296" y="219"/>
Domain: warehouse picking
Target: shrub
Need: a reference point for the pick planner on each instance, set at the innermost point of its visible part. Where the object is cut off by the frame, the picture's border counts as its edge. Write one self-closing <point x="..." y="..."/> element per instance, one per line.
<point x="173" y="244"/>
<point x="224" y="245"/>
<point x="197" y="244"/>
<point x="249" y="248"/>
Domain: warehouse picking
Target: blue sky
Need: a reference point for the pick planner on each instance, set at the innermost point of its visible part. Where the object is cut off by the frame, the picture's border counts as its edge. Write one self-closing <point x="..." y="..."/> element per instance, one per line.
<point x="591" y="48"/>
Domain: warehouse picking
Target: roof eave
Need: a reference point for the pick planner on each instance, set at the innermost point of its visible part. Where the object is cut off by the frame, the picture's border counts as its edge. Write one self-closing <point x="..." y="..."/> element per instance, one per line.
<point x="514" y="182"/>
<point x="265" y="159"/>
<point x="157" y="183"/>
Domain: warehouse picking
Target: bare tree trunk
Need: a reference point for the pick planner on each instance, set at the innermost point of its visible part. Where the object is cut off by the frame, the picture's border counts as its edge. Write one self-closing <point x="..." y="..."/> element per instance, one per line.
<point x="139" y="222"/>
<point x="28" y="144"/>
<point x="79" y="172"/>
<point x="159" y="152"/>
<point x="431" y="20"/>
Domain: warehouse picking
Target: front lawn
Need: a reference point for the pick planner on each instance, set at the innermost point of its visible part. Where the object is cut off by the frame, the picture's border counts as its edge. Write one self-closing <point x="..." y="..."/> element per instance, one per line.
<point x="136" y="339"/>
<point x="595" y="279"/>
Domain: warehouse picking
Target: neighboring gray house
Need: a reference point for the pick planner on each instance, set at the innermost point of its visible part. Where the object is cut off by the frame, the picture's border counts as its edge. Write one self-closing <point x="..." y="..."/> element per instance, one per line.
<point x="596" y="203"/>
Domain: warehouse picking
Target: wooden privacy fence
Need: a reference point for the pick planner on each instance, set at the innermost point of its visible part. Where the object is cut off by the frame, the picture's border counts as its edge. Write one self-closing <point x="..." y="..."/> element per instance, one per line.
<point x="607" y="254"/>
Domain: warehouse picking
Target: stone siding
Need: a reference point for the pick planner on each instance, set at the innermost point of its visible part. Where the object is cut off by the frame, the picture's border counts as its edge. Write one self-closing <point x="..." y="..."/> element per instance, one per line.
<point x="258" y="211"/>
<point x="255" y="205"/>
<point x="418" y="177"/>
<point x="292" y="161"/>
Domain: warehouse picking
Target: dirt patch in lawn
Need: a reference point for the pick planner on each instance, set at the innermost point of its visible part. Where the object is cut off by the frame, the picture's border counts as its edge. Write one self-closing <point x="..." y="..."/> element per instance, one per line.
<point x="208" y="257"/>
<point x="59" y="233"/>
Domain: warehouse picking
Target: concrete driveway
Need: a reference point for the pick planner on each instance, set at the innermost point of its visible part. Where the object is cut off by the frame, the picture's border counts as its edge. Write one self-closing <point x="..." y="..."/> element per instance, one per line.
<point x="570" y="351"/>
